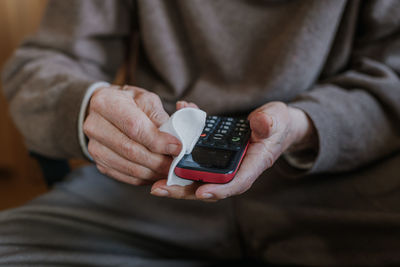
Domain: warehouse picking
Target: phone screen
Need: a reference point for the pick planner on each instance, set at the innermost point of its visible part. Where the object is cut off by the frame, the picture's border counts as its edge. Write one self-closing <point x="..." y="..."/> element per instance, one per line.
<point x="211" y="157"/>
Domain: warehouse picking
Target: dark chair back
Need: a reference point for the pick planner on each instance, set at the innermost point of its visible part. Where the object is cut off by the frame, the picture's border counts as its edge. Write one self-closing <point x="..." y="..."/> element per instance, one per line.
<point x="54" y="170"/>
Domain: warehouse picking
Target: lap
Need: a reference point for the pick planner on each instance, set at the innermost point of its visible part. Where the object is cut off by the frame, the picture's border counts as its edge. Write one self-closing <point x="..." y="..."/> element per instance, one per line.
<point x="337" y="219"/>
<point x="324" y="220"/>
<point x="93" y="220"/>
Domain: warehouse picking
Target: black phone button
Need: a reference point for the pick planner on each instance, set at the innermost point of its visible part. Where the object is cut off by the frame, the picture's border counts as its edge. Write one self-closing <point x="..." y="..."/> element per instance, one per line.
<point x="208" y="142"/>
<point x="235" y="147"/>
<point x="221" y="144"/>
<point x="238" y="134"/>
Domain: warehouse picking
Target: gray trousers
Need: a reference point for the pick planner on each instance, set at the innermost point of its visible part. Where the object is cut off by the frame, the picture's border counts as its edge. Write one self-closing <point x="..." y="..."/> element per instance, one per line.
<point x="93" y="220"/>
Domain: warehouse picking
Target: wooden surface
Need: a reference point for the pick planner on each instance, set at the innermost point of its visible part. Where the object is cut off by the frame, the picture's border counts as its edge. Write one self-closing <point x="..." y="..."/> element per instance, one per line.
<point x="20" y="177"/>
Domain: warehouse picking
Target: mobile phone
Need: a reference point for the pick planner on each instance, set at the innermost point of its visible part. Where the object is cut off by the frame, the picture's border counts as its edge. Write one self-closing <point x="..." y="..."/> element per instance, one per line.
<point x="219" y="151"/>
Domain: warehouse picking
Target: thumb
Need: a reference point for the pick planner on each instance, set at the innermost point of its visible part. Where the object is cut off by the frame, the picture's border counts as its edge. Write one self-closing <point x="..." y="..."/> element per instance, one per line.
<point x="261" y="124"/>
<point x="267" y="119"/>
<point x="152" y="106"/>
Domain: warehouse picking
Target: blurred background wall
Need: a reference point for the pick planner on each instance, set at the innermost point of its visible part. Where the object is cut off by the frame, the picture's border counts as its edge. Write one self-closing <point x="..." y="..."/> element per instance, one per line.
<point x="20" y="176"/>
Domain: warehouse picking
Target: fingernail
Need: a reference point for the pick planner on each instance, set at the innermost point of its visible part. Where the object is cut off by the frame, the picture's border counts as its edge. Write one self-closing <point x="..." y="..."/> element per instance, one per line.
<point x="173" y="149"/>
<point x="180" y="104"/>
<point x="159" y="192"/>
<point x="207" y="195"/>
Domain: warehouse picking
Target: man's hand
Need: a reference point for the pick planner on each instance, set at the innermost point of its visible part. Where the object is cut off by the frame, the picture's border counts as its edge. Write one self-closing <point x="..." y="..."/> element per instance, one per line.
<point x="124" y="140"/>
<point x="275" y="128"/>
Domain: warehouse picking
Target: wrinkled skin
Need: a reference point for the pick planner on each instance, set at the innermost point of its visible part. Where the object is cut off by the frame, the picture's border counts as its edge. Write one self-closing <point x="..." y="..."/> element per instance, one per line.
<point x="125" y="143"/>
<point x="275" y="127"/>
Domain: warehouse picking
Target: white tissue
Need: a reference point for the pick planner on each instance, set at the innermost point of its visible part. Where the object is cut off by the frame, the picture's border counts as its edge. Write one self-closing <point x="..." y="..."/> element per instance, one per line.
<point x="187" y="125"/>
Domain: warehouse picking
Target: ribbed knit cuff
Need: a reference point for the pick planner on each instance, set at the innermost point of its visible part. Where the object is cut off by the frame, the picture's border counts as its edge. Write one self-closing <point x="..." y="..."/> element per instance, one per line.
<point x="85" y="102"/>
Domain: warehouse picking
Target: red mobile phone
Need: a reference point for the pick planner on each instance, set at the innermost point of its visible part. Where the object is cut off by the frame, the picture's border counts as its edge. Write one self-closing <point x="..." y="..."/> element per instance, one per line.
<point x="219" y="151"/>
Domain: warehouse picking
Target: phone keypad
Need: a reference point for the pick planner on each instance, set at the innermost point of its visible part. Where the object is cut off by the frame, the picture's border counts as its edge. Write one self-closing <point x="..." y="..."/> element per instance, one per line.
<point x="225" y="133"/>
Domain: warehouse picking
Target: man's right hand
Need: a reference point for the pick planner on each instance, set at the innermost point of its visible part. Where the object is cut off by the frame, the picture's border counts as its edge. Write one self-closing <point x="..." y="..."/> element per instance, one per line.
<point x="124" y="140"/>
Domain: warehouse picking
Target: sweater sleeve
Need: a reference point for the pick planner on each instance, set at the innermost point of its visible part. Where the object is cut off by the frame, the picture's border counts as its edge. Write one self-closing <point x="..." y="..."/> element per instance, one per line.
<point x="77" y="44"/>
<point x="357" y="112"/>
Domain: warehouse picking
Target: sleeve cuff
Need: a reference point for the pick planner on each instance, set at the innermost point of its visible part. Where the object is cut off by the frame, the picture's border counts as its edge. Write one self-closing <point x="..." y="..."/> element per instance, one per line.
<point x="301" y="162"/>
<point x="320" y="106"/>
<point x="85" y="102"/>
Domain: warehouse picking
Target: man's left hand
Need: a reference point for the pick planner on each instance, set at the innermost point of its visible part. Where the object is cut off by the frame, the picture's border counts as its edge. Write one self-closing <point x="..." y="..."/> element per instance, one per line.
<point x="275" y="127"/>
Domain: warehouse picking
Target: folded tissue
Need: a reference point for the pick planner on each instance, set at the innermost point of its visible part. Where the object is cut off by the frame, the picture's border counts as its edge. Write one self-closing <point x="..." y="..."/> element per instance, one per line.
<point x="187" y="125"/>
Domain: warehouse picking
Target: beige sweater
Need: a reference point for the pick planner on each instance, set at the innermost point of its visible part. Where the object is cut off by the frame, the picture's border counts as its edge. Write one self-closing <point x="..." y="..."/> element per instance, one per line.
<point x="337" y="60"/>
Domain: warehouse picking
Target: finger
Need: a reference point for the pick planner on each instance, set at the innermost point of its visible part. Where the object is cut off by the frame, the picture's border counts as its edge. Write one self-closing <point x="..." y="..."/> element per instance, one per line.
<point x="250" y="169"/>
<point x="264" y="120"/>
<point x="184" y="104"/>
<point x="107" y="157"/>
<point x="119" y="108"/>
<point x="120" y="176"/>
<point x="115" y="140"/>
<point x="161" y="189"/>
<point x="151" y="105"/>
